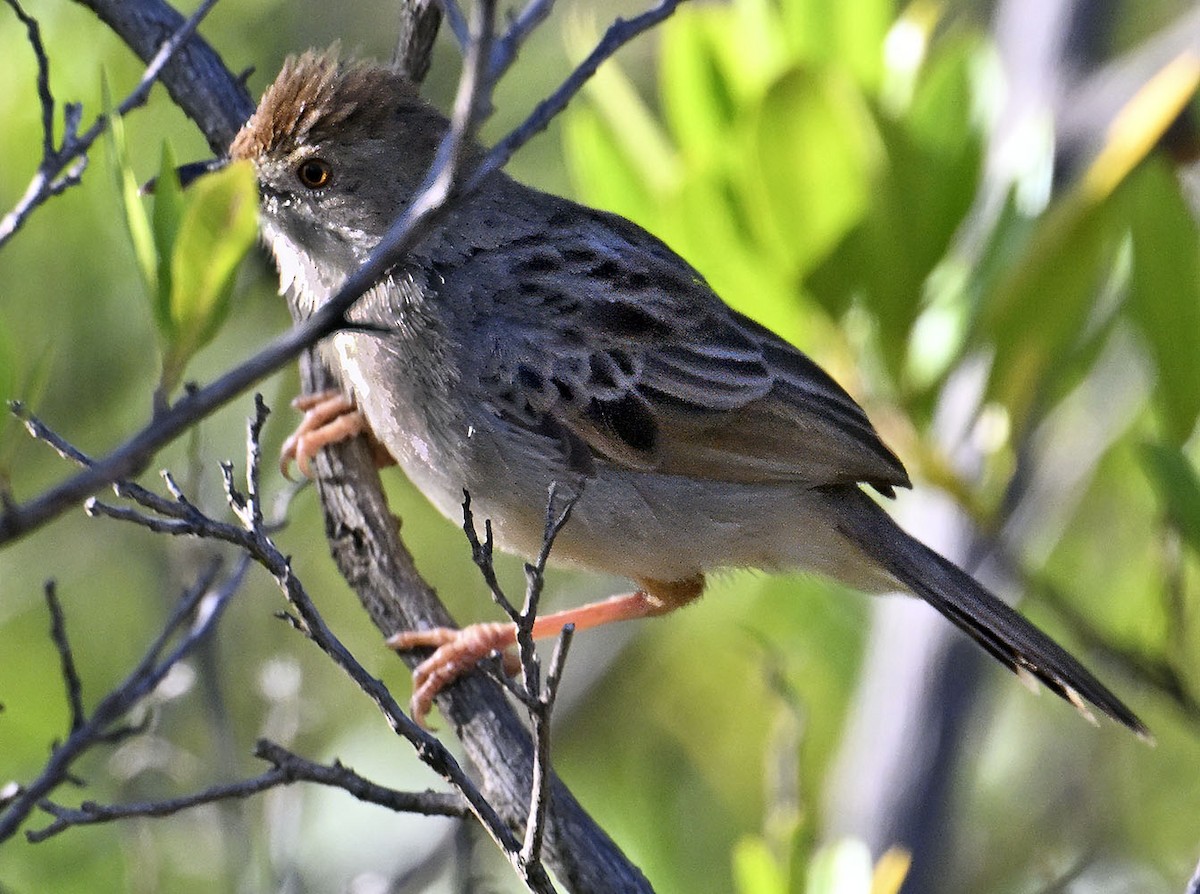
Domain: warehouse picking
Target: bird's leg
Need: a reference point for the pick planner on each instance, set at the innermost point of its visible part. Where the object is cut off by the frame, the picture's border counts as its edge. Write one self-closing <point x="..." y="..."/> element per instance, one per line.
<point x="329" y="417"/>
<point x="456" y="651"/>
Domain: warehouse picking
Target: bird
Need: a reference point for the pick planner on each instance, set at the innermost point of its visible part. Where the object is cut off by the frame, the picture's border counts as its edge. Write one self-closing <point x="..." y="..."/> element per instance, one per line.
<point x="530" y="342"/>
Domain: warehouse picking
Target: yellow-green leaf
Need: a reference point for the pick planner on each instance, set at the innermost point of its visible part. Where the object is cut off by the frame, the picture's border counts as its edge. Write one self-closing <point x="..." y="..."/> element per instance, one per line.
<point x="813" y="149"/>
<point x="137" y="222"/>
<point x="216" y="230"/>
<point x="169" y="205"/>
<point x="1164" y="291"/>
<point x="755" y="869"/>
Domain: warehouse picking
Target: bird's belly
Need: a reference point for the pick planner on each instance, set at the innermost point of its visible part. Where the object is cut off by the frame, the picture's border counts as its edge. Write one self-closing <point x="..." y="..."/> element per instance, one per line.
<point x="639" y="525"/>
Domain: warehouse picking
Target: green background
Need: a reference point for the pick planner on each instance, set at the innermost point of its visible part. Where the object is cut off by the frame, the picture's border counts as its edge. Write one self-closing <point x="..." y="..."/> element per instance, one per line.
<point x="824" y="190"/>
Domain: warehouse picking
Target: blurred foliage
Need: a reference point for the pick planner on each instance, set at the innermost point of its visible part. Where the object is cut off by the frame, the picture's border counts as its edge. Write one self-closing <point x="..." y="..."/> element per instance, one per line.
<point x="822" y="163"/>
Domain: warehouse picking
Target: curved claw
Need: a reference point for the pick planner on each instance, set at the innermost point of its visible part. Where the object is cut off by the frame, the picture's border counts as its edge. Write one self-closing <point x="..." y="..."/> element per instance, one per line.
<point x="329" y="417"/>
<point x="456" y="652"/>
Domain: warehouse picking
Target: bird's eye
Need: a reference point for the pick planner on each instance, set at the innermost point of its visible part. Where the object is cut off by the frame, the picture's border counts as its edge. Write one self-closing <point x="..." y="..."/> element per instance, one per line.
<point x="314" y="173"/>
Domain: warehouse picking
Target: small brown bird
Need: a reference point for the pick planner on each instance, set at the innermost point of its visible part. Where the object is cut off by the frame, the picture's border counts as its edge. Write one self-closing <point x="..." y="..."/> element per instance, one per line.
<point x="529" y="340"/>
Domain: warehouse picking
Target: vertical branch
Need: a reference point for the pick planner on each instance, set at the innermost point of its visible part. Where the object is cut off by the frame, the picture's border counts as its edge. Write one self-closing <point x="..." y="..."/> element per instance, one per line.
<point x="419" y="23"/>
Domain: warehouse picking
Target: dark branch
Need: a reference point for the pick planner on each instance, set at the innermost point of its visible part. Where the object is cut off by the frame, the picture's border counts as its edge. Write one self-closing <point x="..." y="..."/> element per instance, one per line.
<point x="196" y="78"/>
<point x="202" y="607"/>
<point x="70" y="673"/>
<point x="45" y="96"/>
<point x="419" y="23"/>
<point x="63" y="167"/>
<point x="286" y="769"/>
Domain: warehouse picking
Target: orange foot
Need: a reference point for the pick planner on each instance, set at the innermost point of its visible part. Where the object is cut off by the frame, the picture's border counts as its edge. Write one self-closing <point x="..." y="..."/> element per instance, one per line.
<point x="456" y="652"/>
<point x="329" y="418"/>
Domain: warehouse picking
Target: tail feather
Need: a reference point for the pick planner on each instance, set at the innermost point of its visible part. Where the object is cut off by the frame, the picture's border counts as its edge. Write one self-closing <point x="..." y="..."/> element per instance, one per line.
<point x="1003" y="632"/>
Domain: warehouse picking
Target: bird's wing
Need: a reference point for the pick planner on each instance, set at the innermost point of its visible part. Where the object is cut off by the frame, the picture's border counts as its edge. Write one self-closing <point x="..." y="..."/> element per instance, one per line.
<point x="599" y="332"/>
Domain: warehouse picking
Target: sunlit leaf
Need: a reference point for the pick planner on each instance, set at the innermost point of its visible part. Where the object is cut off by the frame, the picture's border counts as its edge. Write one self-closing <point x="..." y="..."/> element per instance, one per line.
<point x="811" y="151"/>
<point x="922" y="189"/>
<point x="216" y="231"/>
<point x="846" y="34"/>
<point x="698" y="100"/>
<point x="1141" y="122"/>
<point x="603" y="168"/>
<point x="169" y="205"/>
<point x="890" y="871"/>
<point x="755" y="869"/>
<point x="1164" y="291"/>
<point x="137" y="222"/>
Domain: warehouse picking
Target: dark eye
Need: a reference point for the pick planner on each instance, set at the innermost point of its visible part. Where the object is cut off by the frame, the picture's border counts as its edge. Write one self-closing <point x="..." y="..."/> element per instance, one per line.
<point x="314" y="173"/>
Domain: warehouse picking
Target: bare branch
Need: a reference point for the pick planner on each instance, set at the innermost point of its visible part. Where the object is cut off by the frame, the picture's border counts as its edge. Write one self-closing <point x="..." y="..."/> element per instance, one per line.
<point x="505" y="52"/>
<point x="535" y="829"/>
<point x="203" y="607"/>
<point x="538" y="700"/>
<point x="63" y="167"/>
<point x="196" y="78"/>
<point x="419" y="22"/>
<point x="457" y="22"/>
<point x="287" y="768"/>
<point x="45" y="96"/>
<point x="70" y="673"/>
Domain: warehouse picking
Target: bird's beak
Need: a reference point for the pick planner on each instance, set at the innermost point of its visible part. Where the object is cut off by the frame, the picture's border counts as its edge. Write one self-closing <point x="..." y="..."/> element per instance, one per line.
<point x="188" y="173"/>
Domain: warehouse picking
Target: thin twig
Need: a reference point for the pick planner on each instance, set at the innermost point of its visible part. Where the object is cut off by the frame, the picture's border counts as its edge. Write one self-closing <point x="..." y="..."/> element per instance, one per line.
<point x="537" y="699"/>
<point x="482" y="556"/>
<point x="70" y="673"/>
<point x="287" y="768"/>
<point x="457" y="22"/>
<point x="63" y="167"/>
<point x="45" y="96"/>
<point x="535" y="828"/>
<point x="200" y="604"/>
<point x="505" y="52"/>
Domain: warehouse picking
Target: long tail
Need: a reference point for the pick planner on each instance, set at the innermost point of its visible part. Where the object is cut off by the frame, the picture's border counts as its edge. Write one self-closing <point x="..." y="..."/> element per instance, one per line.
<point x="1012" y="639"/>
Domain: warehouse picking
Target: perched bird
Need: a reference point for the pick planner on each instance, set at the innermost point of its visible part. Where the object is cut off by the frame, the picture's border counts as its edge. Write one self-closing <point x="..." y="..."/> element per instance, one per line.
<point x="530" y="341"/>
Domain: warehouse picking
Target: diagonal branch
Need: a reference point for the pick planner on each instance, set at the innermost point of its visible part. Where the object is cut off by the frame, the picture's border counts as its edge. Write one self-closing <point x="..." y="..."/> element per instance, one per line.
<point x="199" y="611"/>
<point x="63" y="167"/>
<point x="286" y="769"/>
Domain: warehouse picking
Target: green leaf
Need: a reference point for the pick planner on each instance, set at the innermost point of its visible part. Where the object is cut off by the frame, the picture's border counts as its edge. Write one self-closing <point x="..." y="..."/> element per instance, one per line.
<point x="755" y="869"/>
<point x="169" y="206"/>
<point x="698" y="100"/>
<point x="1164" y="291"/>
<point x="604" y="169"/>
<point x="1178" y="486"/>
<point x="217" y="229"/>
<point x="848" y="34"/>
<point x="811" y="150"/>
<point x="137" y="222"/>
<point x="1035" y="316"/>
